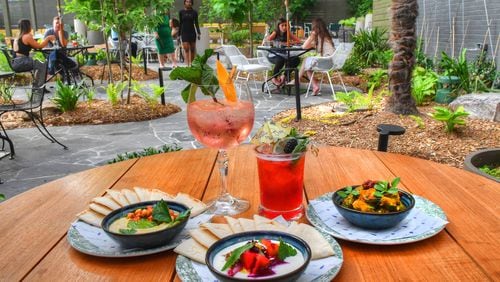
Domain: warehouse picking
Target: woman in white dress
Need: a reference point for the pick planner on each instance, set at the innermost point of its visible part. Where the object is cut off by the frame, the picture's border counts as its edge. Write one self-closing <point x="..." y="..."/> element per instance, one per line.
<point x="322" y="41"/>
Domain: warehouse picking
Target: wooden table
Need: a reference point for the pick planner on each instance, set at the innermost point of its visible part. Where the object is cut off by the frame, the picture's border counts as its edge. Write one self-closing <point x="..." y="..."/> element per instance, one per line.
<point x="34" y="224"/>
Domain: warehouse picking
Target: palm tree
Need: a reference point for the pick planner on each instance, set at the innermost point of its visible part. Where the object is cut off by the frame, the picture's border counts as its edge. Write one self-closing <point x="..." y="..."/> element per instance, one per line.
<point x="403" y="40"/>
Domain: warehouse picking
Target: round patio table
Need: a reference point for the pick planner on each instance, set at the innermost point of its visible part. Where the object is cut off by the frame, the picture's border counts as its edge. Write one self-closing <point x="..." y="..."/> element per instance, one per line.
<point x="33" y="228"/>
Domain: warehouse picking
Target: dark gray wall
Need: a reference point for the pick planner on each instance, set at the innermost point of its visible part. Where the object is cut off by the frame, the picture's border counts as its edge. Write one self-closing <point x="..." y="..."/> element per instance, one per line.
<point x="461" y="24"/>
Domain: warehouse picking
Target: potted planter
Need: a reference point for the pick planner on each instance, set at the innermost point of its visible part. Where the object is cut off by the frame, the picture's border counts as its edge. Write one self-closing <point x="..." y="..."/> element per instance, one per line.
<point x="478" y="159"/>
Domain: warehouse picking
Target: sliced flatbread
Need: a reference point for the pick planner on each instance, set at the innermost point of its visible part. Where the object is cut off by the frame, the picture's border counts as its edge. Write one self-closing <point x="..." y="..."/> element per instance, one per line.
<point x="263" y="223"/>
<point x="234" y="224"/>
<point x="247" y="224"/>
<point x="118" y="197"/>
<point x="196" y="205"/>
<point x="203" y="236"/>
<point x="157" y="195"/>
<point x="143" y="194"/>
<point x="320" y="248"/>
<point x="192" y="249"/>
<point x="220" y="230"/>
<point x="107" y="201"/>
<point x="91" y="217"/>
<point x="130" y="195"/>
<point x="100" y="209"/>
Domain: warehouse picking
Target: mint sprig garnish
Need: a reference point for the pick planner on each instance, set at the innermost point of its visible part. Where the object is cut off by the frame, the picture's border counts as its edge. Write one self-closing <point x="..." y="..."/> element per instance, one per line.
<point x="236" y="254"/>
<point x="141" y="224"/>
<point x="348" y="191"/>
<point x="127" y="231"/>
<point x="383" y="187"/>
<point x="161" y="213"/>
<point x="285" y="250"/>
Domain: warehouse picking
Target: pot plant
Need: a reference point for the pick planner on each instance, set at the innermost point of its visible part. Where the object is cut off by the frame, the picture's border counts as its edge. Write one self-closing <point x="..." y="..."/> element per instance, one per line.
<point x="484" y="162"/>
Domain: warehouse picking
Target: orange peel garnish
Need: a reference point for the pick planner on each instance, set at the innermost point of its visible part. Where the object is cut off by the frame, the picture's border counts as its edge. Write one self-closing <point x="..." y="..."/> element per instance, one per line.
<point x="226" y="83"/>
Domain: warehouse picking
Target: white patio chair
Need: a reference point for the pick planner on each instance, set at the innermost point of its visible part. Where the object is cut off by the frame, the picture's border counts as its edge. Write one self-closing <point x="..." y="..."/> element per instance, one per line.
<point x="333" y="63"/>
<point x="246" y="67"/>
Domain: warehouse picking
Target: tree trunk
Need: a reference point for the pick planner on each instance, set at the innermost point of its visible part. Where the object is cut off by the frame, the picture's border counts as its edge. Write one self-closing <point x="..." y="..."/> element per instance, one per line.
<point x="403" y="40"/>
<point x="250" y="24"/>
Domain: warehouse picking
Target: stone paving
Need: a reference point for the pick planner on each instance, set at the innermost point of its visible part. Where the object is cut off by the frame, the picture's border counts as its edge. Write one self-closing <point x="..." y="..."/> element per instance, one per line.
<point x="38" y="161"/>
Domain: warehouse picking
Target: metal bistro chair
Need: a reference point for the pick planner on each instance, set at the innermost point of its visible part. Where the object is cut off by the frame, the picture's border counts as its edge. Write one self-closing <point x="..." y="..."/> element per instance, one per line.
<point x="33" y="108"/>
<point x="9" y="55"/>
<point x="244" y="66"/>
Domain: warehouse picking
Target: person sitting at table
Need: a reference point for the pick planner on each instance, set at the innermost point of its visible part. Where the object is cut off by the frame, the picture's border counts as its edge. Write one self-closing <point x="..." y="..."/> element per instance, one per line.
<point x="280" y="35"/>
<point x="22" y="47"/>
<point x="320" y="39"/>
<point x="57" y="59"/>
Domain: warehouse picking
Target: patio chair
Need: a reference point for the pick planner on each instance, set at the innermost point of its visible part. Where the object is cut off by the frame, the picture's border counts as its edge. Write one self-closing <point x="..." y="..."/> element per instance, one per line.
<point x="33" y="108"/>
<point x="331" y="63"/>
<point x="246" y="67"/>
<point x="9" y="55"/>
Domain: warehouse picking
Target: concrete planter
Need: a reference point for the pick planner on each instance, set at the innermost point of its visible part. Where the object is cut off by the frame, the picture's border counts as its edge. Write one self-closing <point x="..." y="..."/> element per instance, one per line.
<point x="95" y="37"/>
<point x="477" y="159"/>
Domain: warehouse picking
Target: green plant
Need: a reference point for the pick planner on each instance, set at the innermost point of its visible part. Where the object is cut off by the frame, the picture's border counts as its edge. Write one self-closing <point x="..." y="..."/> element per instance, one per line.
<point x="352" y="65"/>
<point x="2" y="197"/>
<point x="101" y="55"/>
<point x="113" y="91"/>
<point x="80" y="59"/>
<point x="66" y="96"/>
<point x="355" y="100"/>
<point x="4" y="65"/>
<point x="457" y="67"/>
<point x="349" y="22"/>
<point x="449" y="117"/>
<point x="372" y="47"/>
<point x="88" y="93"/>
<point x="39" y="57"/>
<point x="423" y="84"/>
<point x="491" y="170"/>
<point x="145" y="152"/>
<point x="137" y="60"/>
<point x="483" y="73"/>
<point x="6" y="92"/>
<point x="360" y="8"/>
<point x="418" y="120"/>
<point x="258" y="37"/>
<point x="377" y="77"/>
<point x="150" y="98"/>
<point x="421" y="58"/>
<point x="239" y="37"/>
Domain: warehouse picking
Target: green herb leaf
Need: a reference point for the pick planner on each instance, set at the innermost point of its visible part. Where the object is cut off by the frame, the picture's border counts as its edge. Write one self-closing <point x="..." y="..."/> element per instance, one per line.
<point x="355" y="192"/>
<point x="183" y="215"/>
<point x="342" y="194"/>
<point x="378" y="194"/>
<point x="161" y="212"/>
<point x="395" y="182"/>
<point x="236" y="254"/>
<point x="141" y="224"/>
<point x="285" y="250"/>
<point x="127" y="231"/>
<point x="392" y="191"/>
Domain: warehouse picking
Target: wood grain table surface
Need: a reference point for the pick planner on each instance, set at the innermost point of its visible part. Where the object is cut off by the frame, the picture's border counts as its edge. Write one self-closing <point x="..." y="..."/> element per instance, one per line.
<point x="34" y="247"/>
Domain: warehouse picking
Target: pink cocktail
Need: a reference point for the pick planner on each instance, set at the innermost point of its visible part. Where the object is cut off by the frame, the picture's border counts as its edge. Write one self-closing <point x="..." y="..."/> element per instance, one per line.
<point x="222" y="124"/>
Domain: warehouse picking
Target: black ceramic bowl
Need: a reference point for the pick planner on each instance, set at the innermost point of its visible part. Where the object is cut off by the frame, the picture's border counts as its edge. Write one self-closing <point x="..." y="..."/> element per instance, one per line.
<point x="146" y="240"/>
<point x="223" y="243"/>
<point x="374" y="220"/>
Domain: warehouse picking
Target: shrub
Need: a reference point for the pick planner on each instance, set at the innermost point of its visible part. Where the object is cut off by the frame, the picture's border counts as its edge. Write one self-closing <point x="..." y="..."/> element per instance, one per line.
<point x="355" y="100"/>
<point x="372" y="48"/>
<point x="66" y="96"/>
<point x="349" y="22"/>
<point x="423" y="84"/>
<point x="150" y="97"/>
<point x="145" y="152"/>
<point x="137" y="60"/>
<point x="493" y="171"/>
<point x="113" y="91"/>
<point x="6" y="92"/>
<point x="352" y="65"/>
<point x="377" y="78"/>
<point x="239" y="37"/>
<point x="449" y="117"/>
<point x="457" y="67"/>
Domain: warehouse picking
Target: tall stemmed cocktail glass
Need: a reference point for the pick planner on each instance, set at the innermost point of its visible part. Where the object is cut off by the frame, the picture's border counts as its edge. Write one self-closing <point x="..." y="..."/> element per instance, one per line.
<point x="222" y="124"/>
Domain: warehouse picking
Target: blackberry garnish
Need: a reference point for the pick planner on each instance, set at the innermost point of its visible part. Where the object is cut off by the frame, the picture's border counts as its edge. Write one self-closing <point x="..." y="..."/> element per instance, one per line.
<point x="290" y="145"/>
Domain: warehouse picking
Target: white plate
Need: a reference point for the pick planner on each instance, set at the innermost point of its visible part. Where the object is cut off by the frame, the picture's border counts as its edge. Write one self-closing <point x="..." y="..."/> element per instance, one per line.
<point x="426" y="206"/>
<point x="187" y="272"/>
<point x="93" y="241"/>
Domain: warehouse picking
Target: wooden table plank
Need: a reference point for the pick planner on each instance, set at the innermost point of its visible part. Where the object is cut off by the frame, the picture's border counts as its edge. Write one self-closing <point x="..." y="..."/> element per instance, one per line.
<point x="45" y="214"/>
<point x="471" y="203"/>
<point x="334" y="168"/>
<point x="174" y="172"/>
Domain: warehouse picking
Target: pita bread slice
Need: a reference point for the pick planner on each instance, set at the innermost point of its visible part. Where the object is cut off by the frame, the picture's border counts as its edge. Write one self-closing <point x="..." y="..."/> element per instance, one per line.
<point x="192" y="249"/>
<point x="234" y="224"/>
<point x="118" y="197"/>
<point x="320" y="248"/>
<point x="157" y="195"/>
<point x="196" y="205"/>
<point x="91" y="217"/>
<point x="100" y="209"/>
<point x="263" y="223"/>
<point x="107" y="201"/>
<point x="247" y="224"/>
<point x="220" y="230"/>
<point x="143" y="194"/>
<point x="130" y="195"/>
<point x="203" y="236"/>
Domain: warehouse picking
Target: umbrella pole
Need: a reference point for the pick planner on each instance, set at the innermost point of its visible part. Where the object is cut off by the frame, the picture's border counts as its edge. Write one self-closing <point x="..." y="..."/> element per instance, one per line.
<point x="287" y="12"/>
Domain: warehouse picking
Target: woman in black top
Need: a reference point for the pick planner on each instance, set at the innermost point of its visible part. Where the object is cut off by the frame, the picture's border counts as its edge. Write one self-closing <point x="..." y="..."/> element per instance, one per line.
<point x="22" y="47"/>
<point x="280" y="35"/>
<point x="188" y="20"/>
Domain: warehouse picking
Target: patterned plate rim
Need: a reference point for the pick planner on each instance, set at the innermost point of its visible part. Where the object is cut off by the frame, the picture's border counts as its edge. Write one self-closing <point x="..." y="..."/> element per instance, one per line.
<point x="420" y="201"/>
<point x="74" y="238"/>
<point x="186" y="271"/>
